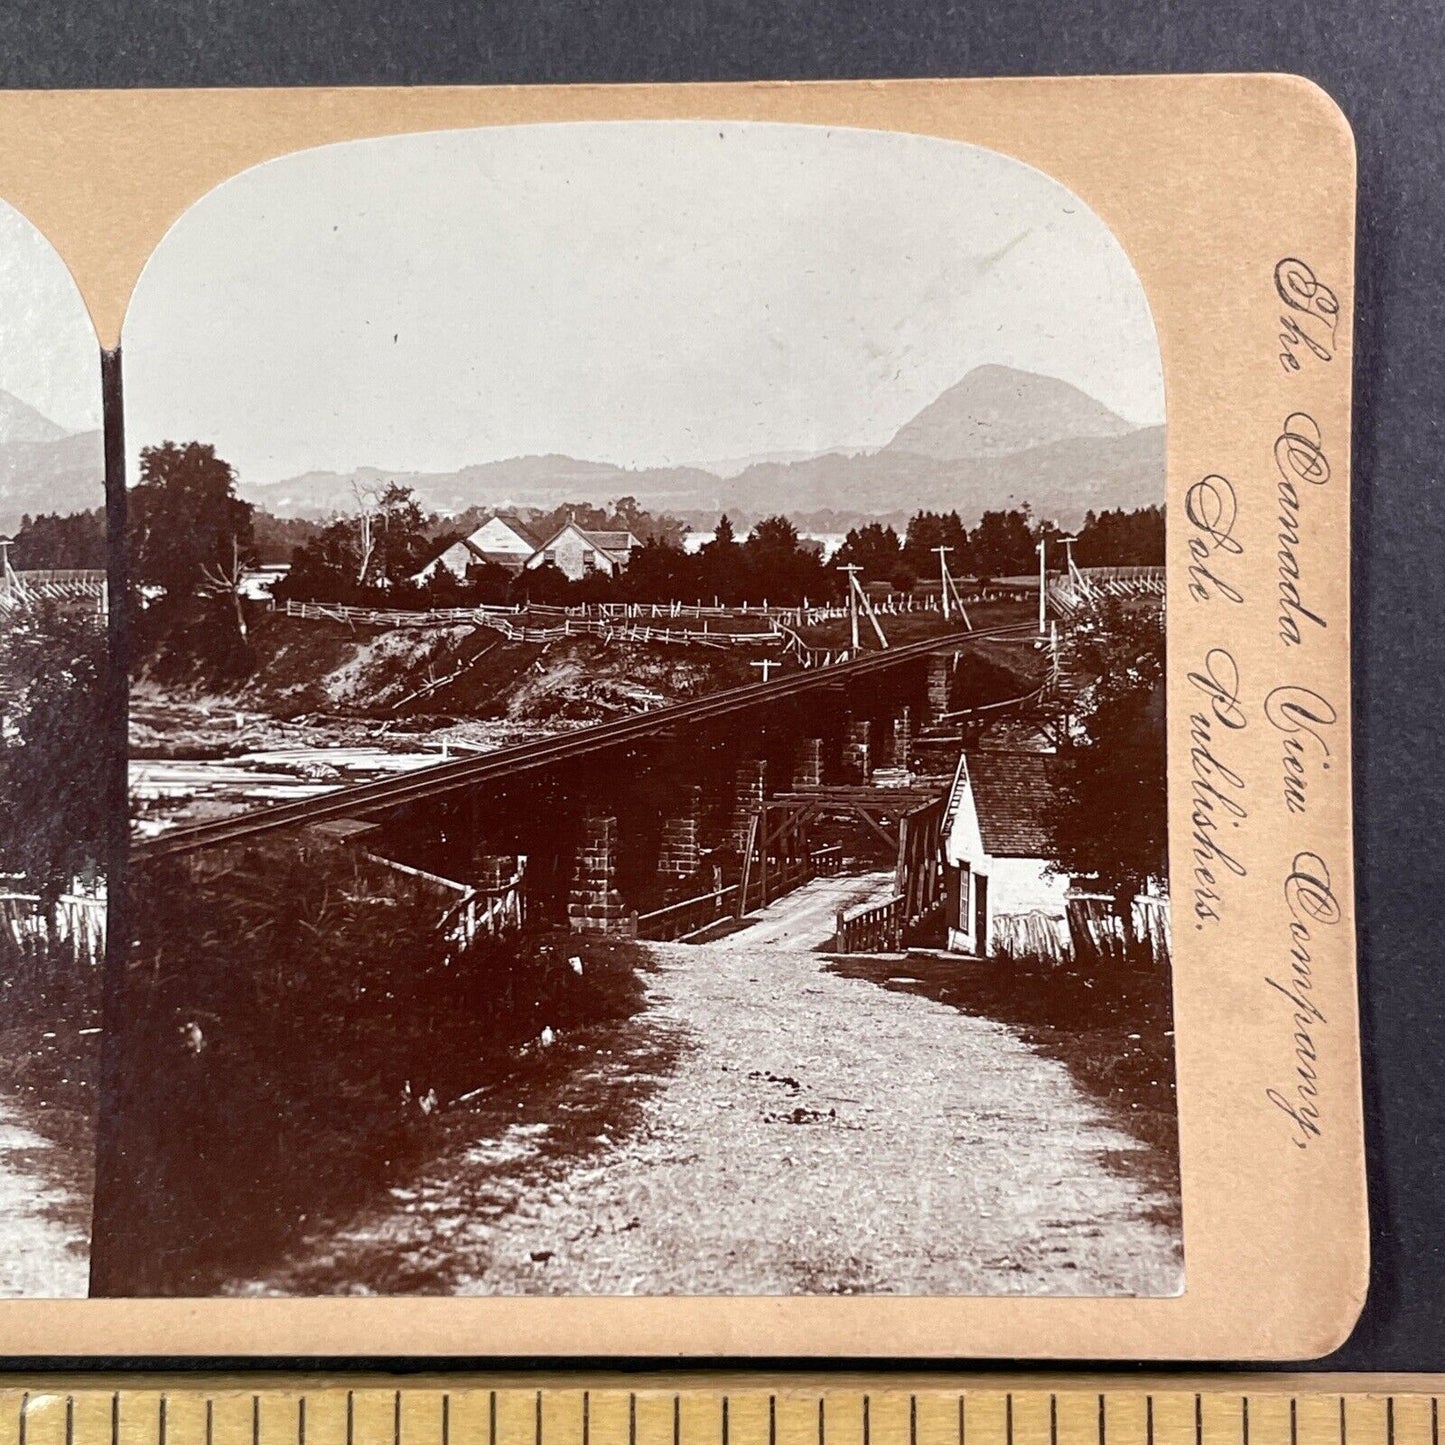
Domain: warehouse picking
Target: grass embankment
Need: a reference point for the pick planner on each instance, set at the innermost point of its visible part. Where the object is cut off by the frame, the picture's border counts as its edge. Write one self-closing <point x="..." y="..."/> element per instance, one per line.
<point x="1113" y="1031"/>
<point x="295" y="1030"/>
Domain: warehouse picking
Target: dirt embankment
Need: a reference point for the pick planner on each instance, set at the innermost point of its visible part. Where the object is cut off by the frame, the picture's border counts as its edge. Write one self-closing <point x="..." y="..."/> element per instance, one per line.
<point x="319" y="682"/>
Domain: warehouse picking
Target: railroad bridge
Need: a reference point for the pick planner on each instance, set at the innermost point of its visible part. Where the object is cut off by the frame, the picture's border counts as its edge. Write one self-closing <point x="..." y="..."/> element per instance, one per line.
<point x="663" y="823"/>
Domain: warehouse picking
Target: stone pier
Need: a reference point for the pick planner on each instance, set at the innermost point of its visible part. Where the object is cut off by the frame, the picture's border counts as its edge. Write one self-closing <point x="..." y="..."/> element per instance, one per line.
<point x="594" y="905"/>
<point x="858" y="750"/>
<point x="902" y="739"/>
<point x="940" y="679"/>
<point x="750" y="790"/>
<point x="680" y="854"/>
<point x="808" y="765"/>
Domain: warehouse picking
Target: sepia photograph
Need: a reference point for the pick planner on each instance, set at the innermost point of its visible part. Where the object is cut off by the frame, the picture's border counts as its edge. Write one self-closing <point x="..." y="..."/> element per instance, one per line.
<point x="58" y="745"/>
<point x="646" y="742"/>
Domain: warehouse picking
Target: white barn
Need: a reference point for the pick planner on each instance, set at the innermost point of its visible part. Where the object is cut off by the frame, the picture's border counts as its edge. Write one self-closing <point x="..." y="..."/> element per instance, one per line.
<point x="578" y="553"/>
<point x="1002" y="898"/>
<point x="503" y="540"/>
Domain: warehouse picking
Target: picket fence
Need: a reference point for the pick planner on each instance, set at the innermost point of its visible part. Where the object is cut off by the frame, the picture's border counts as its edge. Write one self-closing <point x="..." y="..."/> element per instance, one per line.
<point x="76" y="922"/>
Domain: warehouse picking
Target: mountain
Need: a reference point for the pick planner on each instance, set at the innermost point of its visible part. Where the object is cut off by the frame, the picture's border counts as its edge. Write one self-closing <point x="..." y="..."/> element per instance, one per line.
<point x="44" y="468"/>
<point x="20" y="422"/>
<point x="1059" y="479"/>
<point x="731" y="466"/>
<point x="996" y="411"/>
<point x="997" y="439"/>
<point x="544" y="482"/>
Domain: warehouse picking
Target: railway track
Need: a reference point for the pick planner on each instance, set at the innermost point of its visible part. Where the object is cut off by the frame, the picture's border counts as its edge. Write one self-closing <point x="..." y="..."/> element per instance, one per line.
<point x="367" y="798"/>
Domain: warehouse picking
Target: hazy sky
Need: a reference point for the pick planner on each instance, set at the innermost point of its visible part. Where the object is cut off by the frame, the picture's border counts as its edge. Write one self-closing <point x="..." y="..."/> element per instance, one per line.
<point x="639" y="293"/>
<point x="49" y="356"/>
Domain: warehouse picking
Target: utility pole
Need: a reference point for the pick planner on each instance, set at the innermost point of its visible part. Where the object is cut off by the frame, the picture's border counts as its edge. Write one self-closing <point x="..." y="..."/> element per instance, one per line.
<point x="943" y="575"/>
<point x="852" y="569"/>
<point x="767" y="664"/>
<point x="1069" y="553"/>
<point x="951" y="595"/>
<point x="1043" y="586"/>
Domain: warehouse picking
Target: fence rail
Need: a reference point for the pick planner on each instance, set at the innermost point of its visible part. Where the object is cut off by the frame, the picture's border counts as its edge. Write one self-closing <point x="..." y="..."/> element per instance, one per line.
<point x="677" y="920"/>
<point x="25" y="589"/>
<point x="876" y="929"/>
<point x="612" y="628"/>
<point x="1100" y="936"/>
<point x="77" y="921"/>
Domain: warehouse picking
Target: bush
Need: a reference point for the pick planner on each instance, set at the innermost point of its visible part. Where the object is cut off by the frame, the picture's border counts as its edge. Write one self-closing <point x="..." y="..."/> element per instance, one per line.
<point x="287" y="1008"/>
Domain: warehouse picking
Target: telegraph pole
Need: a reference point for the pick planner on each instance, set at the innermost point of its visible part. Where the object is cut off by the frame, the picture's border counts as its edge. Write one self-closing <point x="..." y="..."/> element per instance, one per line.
<point x="852" y="569"/>
<point x="943" y="575"/>
<point x="1043" y="587"/>
<point x="1069" y="552"/>
<point x="767" y="664"/>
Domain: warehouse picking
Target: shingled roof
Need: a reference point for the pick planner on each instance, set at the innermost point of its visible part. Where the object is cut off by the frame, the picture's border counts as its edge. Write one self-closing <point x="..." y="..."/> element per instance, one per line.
<point x="617" y="542"/>
<point x="512" y="520"/>
<point x="1013" y="792"/>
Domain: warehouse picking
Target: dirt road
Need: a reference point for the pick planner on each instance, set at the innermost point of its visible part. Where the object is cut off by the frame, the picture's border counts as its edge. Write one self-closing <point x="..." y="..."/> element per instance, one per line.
<point x="808" y="1133"/>
<point x="822" y="1135"/>
<point x="44" y="1252"/>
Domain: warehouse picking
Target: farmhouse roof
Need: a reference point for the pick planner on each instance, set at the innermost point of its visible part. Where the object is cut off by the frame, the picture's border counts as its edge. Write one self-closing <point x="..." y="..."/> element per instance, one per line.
<point x="616" y="544"/>
<point x="512" y="520"/>
<point x="610" y="541"/>
<point x="1013" y="793"/>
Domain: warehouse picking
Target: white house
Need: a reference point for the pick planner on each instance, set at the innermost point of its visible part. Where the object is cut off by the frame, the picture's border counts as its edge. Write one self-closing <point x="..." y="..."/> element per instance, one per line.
<point x="504" y="540"/>
<point x="577" y="553"/>
<point x="257" y="582"/>
<point x="1001" y="897"/>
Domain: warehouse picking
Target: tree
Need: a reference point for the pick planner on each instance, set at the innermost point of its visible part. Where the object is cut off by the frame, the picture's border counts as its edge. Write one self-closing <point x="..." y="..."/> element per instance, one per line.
<point x="1002" y="545"/>
<point x="184" y="516"/>
<point x="397" y="544"/>
<point x="660" y="572"/>
<point x="189" y="537"/>
<point x="55" y="753"/>
<point x="1121" y="539"/>
<point x="874" y="548"/>
<point x="928" y="530"/>
<point x="781" y="568"/>
<point x="365" y="557"/>
<point x="53" y="542"/>
<point x="1110" y="820"/>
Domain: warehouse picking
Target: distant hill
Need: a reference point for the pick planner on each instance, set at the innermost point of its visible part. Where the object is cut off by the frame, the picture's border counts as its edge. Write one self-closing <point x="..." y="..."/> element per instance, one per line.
<point x="542" y="482"/>
<point x="996" y="439"/>
<point x="44" y="468"/>
<point x="1060" y="480"/>
<point x="20" y="422"/>
<point x="996" y="410"/>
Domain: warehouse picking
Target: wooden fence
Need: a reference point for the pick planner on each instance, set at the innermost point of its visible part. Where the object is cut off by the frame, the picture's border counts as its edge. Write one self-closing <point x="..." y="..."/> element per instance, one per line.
<point x="677" y="920"/>
<point x="1031" y="935"/>
<point x="77" y="922"/>
<point x="19" y="590"/>
<point x="467" y="910"/>
<point x="506" y="621"/>
<point x="1099" y="936"/>
<point x="876" y="929"/>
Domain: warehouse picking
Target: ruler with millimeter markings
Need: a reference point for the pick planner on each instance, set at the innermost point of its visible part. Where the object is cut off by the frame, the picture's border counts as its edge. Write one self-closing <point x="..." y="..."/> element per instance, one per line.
<point x="718" y="1410"/>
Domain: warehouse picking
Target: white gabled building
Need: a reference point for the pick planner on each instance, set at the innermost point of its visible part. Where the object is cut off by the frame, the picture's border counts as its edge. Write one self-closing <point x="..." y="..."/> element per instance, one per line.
<point x="503" y="540"/>
<point x="1002" y="897"/>
<point x="578" y="553"/>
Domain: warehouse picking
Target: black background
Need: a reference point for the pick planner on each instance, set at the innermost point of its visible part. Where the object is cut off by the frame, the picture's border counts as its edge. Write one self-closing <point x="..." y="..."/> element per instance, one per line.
<point x="1383" y="62"/>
